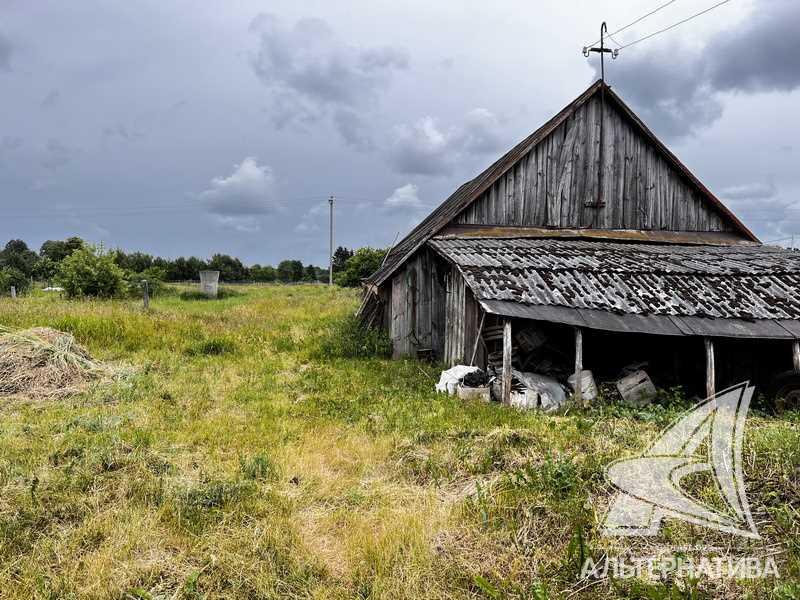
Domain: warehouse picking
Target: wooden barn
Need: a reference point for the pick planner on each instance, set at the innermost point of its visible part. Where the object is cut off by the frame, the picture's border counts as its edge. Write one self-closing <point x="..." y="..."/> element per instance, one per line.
<point x="594" y="232"/>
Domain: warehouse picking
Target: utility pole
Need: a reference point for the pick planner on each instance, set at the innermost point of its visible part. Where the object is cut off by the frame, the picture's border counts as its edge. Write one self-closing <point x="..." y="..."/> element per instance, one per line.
<point x="330" y="254"/>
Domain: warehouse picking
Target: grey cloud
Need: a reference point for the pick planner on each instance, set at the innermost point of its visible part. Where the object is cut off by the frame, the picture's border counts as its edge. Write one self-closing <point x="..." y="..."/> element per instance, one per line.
<point x="424" y="148"/>
<point x="122" y="132"/>
<point x="420" y="149"/>
<point x="312" y="73"/>
<point x="247" y="192"/>
<point x="10" y="143"/>
<point x="404" y="198"/>
<point x="6" y="50"/>
<point x="773" y="211"/>
<point x="50" y="100"/>
<point x="57" y="154"/>
<point x="749" y="191"/>
<point x="676" y="88"/>
<point x="311" y="220"/>
<point x="761" y="54"/>
<point x="353" y="129"/>
<point x="480" y="132"/>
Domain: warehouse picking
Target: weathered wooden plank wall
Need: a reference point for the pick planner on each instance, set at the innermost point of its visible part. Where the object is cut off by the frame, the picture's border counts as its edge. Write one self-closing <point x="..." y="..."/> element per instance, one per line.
<point x="454" y="342"/>
<point x="416" y="311"/>
<point x="551" y="185"/>
<point x="472" y="321"/>
<point x="399" y="328"/>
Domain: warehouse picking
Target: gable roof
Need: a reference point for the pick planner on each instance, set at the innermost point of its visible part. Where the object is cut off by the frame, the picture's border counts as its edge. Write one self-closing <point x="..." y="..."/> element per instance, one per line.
<point x="472" y="189"/>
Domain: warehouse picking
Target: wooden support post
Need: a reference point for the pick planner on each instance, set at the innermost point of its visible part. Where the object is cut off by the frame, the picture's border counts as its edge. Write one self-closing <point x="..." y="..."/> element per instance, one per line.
<point x="796" y="355"/>
<point x="710" y="373"/>
<point x="477" y="340"/>
<point x="578" y="365"/>
<point x="13" y="291"/>
<point x="146" y="295"/>
<point x="507" y="361"/>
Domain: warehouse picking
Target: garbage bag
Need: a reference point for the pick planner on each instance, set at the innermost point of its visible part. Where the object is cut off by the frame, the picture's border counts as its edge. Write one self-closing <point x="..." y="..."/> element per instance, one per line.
<point x="450" y="378"/>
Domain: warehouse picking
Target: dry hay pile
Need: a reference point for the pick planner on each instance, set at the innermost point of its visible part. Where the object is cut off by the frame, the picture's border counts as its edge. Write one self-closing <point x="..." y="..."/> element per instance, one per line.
<point x="44" y="362"/>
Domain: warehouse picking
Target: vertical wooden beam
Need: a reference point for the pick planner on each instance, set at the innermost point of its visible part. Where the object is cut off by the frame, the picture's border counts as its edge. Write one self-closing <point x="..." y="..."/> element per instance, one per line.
<point x="507" y="361"/>
<point x="578" y="365"/>
<point x="796" y="355"/>
<point x="477" y="339"/>
<point x="710" y="373"/>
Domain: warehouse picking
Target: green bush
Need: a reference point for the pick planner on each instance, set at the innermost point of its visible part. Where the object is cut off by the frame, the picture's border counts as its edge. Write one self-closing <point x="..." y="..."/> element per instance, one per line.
<point x="349" y="338"/>
<point x="11" y="276"/>
<point x="89" y="271"/>
<point x="154" y="276"/>
<point x="363" y="263"/>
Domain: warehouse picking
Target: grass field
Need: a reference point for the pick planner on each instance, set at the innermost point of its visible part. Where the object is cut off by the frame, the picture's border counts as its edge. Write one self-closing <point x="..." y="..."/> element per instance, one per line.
<point x="245" y="459"/>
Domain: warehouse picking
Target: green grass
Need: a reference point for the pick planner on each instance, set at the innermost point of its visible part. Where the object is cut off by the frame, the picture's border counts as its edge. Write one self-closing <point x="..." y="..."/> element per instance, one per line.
<point x="264" y="450"/>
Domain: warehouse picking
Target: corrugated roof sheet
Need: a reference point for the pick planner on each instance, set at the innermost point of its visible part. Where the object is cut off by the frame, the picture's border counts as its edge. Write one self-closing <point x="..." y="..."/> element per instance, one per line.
<point x="758" y="282"/>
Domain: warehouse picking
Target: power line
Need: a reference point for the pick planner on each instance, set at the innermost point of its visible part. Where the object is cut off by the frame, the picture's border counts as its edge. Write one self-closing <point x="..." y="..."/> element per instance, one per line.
<point x="674" y="25"/>
<point x="129" y="211"/>
<point x="631" y="24"/>
<point x="613" y="39"/>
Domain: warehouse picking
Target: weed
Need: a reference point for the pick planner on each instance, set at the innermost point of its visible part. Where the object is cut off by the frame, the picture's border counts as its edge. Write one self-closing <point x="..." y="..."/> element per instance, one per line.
<point x="211" y="347"/>
<point x="258" y="468"/>
<point x="348" y="338"/>
<point x="223" y="293"/>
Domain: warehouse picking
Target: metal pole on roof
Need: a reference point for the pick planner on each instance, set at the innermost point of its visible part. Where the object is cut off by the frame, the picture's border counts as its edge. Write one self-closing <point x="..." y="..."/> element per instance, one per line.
<point x="602" y="51"/>
<point x="330" y="253"/>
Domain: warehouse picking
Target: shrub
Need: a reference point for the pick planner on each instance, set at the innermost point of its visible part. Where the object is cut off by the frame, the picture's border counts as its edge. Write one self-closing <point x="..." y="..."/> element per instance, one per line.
<point x="89" y="271"/>
<point x="10" y="276"/>
<point x="154" y="276"/>
<point x="349" y="338"/>
<point x="363" y="263"/>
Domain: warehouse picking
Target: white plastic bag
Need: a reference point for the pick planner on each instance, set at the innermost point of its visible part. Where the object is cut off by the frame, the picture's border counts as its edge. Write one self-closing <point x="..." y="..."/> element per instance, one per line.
<point x="449" y="379"/>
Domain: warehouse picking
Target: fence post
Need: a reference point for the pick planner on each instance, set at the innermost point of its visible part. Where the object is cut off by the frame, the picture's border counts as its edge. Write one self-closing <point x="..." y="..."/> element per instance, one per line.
<point x="13" y="291"/>
<point x="146" y="295"/>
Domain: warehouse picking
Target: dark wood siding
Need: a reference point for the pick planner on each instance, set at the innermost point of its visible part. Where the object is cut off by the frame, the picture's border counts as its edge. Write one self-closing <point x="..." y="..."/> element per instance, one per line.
<point x="551" y="185"/>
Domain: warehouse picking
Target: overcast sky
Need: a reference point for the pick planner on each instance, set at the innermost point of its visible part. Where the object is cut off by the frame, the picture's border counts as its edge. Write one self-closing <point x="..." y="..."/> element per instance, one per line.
<point x="186" y="127"/>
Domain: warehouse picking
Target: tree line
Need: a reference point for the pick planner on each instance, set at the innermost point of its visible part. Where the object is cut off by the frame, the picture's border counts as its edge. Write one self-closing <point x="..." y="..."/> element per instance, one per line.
<point x="59" y="261"/>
